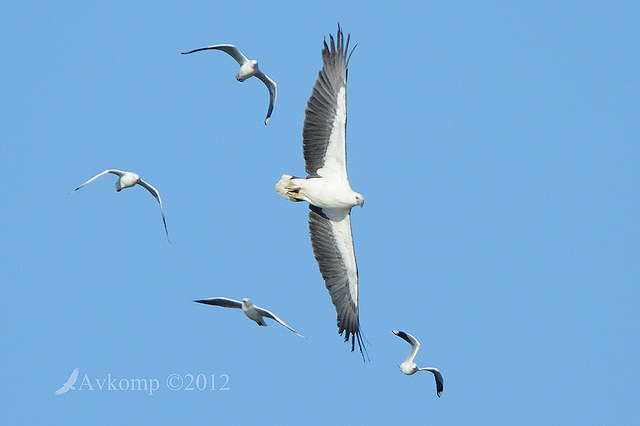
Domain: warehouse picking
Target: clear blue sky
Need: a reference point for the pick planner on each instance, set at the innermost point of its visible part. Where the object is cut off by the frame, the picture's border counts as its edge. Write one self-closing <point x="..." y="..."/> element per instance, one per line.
<point x="497" y="146"/>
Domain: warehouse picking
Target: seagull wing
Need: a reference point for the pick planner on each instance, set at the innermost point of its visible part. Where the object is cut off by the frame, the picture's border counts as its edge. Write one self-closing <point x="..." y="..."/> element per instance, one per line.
<point x="156" y="194"/>
<point x="227" y="48"/>
<point x="113" y="171"/>
<point x="324" y="128"/>
<point x="332" y="244"/>
<point x="415" y="344"/>
<point x="273" y="92"/>
<point x="225" y="302"/>
<point x="269" y="314"/>
<point x="439" y="379"/>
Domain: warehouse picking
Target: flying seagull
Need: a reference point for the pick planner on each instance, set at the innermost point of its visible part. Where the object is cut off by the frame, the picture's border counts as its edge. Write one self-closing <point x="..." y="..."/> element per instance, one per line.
<point x="409" y="367"/>
<point x="127" y="180"/>
<point x="248" y="68"/>
<point x="326" y="187"/>
<point x="253" y="312"/>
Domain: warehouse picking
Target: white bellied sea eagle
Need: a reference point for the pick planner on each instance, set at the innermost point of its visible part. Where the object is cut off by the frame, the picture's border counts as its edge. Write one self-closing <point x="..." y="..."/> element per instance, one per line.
<point x="326" y="187"/>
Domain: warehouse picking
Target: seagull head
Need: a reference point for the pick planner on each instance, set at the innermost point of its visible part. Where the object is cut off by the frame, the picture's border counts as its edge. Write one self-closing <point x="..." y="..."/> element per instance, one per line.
<point x="359" y="200"/>
<point x="247" y="301"/>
